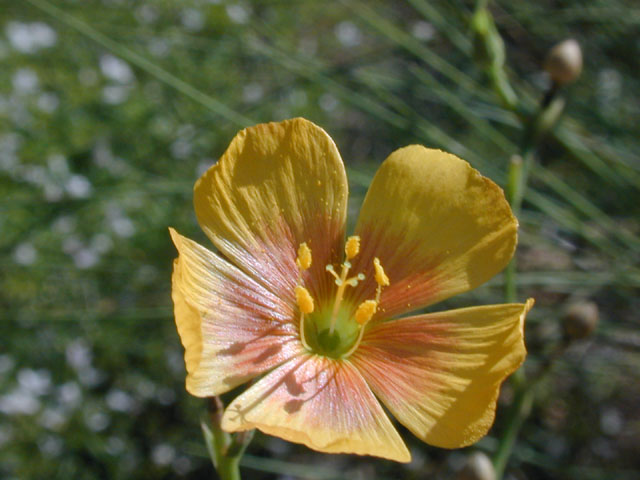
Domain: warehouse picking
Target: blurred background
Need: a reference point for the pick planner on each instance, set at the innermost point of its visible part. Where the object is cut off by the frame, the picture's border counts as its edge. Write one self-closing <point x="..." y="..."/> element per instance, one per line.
<point x="110" y="110"/>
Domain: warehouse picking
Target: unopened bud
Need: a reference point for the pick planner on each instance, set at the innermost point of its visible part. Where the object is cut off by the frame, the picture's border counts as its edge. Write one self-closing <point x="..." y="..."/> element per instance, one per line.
<point x="478" y="467"/>
<point x="488" y="46"/>
<point x="564" y="62"/>
<point x="580" y="319"/>
<point x="548" y="117"/>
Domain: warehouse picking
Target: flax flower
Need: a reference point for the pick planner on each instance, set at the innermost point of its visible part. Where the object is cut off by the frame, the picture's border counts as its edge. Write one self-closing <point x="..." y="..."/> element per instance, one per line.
<point x="318" y="323"/>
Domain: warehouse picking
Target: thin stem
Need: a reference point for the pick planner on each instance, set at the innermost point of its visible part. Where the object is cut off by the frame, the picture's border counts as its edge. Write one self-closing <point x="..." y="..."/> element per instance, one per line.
<point x="518" y="413"/>
<point x="228" y="468"/>
<point x="303" y="338"/>
<point x="521" y="408"/>
<point x="518" y="176"/>
<point x="356" y="344"/>
<point x="519" y="169"/>
<point x="224" y="449"/>
<point x="142" y="63"/>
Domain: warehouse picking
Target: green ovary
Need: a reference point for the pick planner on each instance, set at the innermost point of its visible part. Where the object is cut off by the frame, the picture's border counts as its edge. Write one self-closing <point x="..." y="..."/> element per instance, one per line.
<point x="322" y="341"/>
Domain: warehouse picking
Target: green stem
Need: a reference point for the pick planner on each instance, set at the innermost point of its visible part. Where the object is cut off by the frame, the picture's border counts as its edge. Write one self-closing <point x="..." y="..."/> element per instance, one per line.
<point x="517" y="179"/>
<point x="228" y="468"/>
<point x="142" y="63"/>
<point x="520" y="167"/>
<point x="518" y="413"/>
<point x="502" y="88"/>
<point x="225" y="449"/>
<point x="521" y="407"/>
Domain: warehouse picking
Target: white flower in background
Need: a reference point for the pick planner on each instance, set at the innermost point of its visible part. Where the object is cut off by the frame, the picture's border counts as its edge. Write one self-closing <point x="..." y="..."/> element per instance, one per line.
<point x="238" y="13"/>
<point x="30" y="37"/>
<point x="163" y="454"/>
<point x="116" y="69"/>
<point x="25" y="81"/>
<point x="423" y="30"/>
<point x="69" y="395"/>
<point x="119" y="401"/>
<point x="348" y="34"/>
<point x="252" y="92"/>
<point x="192" y="19"/>
<point x="25" y="254"/>
<point x="19" y="401"/>
<point x="37" y="382"/>
<point x="78" y="186"/>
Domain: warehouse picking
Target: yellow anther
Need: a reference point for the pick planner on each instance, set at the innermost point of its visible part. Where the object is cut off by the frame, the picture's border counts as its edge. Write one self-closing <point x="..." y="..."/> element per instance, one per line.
<point x="381" y="278"/>
<point x="304" y="300"/>
<point x="365" y="311"/>
<point x="304" y="257"/>
<point x="352" y="247"/>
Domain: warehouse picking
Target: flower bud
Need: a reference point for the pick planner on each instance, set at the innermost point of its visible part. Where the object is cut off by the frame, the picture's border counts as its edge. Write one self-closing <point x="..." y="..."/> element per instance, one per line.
<point x="488" y="46"/>
<point x="564" y="62"/>
<point x="548" y="117"/>
<point x="580" y="319"/>
<point x="478" y="467"/>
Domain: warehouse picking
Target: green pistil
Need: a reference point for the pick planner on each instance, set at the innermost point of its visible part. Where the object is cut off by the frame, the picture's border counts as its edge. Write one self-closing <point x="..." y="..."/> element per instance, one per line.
<point x="322" y="340"/>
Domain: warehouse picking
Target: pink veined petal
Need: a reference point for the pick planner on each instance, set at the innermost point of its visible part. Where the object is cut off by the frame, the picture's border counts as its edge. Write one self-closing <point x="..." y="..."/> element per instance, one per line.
<point x="276" y="186"/>
<point x="439" y="374"/>
<point x="438" y="227"/>
<point x="232" y="328"/>
<point x="322" y="403"/>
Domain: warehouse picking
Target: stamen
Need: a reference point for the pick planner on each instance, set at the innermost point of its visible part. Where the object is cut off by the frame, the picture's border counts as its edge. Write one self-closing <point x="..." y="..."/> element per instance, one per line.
<point x="304" y="257"/>
<point x="381" y="277"/>
<point x="356" y="344"/>
<point x="352" y="247"/>
<point x="365" y="311"/>
<point x="304" y="300"/>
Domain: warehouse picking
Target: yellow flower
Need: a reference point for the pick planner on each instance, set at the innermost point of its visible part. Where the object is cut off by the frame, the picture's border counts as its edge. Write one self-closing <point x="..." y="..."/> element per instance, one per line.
<point x="314" y="319"/>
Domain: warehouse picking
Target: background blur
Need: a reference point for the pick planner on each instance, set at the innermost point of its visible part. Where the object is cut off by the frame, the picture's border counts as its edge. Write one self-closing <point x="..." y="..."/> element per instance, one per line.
<point x="110" y="110"/>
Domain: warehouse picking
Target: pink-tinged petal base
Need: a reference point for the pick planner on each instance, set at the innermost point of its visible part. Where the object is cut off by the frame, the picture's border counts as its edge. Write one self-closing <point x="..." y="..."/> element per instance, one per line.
<point x="276" y="186"/>
<point x="438" y="227"/>
<point x="413" y="281"/>
<point x="232" y="328"/>
<point x="319" y="402"/>
<point x="439" y="374"/>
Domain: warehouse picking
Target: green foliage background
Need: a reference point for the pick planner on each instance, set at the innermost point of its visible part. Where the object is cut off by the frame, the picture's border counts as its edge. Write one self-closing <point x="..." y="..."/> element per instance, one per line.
<point x="110" y="110"/>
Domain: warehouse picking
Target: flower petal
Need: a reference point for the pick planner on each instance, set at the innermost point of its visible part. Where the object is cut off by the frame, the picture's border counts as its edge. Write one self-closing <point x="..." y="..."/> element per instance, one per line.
<point x="322" y="403"/>
<point x="440" y="373"/>
<point x="276" y="186"/>
<point x="232" y="328"/>
<point x="437" y="225"/>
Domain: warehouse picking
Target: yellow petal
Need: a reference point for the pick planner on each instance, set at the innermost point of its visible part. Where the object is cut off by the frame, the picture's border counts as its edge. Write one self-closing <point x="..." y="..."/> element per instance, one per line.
<point x="277" y="185"/>
<point x="437" y="225"/>
<point x="439" y="374"/>
<point x="321" y="403"/>
<point x="232" y="328"/>
<point x="188" y="322"/>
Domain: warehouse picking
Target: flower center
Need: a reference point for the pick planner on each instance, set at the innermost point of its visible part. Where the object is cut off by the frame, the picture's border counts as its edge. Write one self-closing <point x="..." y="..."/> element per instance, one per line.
<point x="335" y="329"/>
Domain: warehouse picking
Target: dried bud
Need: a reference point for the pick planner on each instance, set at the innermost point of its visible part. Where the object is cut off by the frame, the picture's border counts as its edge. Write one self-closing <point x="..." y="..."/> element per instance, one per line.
<point x="478" y="467"/>
<point x="580" y="319"/>
<point x="564" y="62"/>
